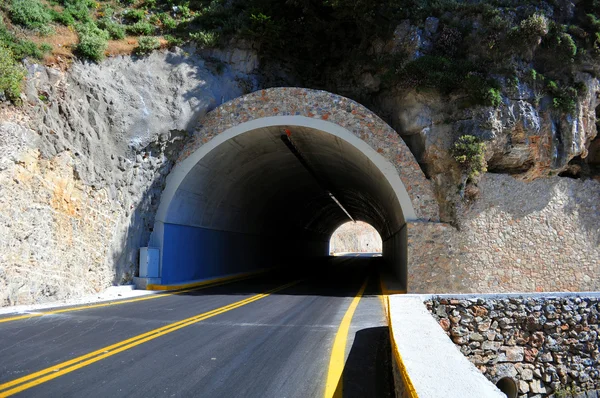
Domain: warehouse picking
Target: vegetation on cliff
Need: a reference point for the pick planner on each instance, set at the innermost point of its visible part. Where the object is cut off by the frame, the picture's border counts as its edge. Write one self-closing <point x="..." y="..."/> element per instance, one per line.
<point x="475" y="48"/>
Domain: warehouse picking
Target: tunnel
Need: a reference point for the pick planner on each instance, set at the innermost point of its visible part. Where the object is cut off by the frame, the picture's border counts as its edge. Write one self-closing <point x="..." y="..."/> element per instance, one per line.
<point x="251" y="196"/>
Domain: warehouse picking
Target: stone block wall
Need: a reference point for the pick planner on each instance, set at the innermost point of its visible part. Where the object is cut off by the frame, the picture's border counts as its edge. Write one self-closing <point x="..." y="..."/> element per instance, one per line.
<point x="548" y="345"/>
<point x="516" y="237"/>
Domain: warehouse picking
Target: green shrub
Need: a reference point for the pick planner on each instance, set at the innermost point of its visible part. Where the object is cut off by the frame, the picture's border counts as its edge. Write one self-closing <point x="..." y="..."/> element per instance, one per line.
<point x="64" y="18"/>
<point x="115" y="30"/>
<point x="31" y="14"/>
<point x="148" y="4"/>
<point x="168" y="22"/>
<point x="79" y="10"/>
<point x="533" y="74"/>
<point x="593" y="22"/>
<point x="534" y="27"/>
<point x="184" y="11"/>
<point x="147" y="44"/>
<point x="11" y="75"/>
<point x="567" y="45"/>
<point x="133" y="15"/>
<point x="173" y="41"/>
<point x="154" y="19"/>
<point x="469" y="152"/>
<point x="204" y="38"/>
<point x="45" y="47"/>
<point x="93" y="41"/>
<point x="20" y="49"/>
<point x="492" y="97"/>
<point x="564" y="98"/>
<point x="140" y="28"/>
<point x="106" y="11"/>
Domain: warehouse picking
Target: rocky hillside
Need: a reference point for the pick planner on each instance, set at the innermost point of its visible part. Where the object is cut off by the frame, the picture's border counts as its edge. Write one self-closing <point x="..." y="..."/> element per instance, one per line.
<point x="97" y="96"/>
<point x="518" y="78"/>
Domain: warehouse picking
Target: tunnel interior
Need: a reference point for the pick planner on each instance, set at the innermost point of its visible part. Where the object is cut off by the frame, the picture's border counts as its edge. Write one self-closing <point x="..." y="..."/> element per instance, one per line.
<point x="251" y="203"/>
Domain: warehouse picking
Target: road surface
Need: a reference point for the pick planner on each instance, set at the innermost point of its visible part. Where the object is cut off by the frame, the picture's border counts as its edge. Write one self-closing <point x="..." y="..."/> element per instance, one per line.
<point x="272" y="335"/>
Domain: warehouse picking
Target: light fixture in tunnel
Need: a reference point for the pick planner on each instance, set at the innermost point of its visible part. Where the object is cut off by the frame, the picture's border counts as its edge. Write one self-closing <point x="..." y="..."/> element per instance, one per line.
<point x="287" y="140"/>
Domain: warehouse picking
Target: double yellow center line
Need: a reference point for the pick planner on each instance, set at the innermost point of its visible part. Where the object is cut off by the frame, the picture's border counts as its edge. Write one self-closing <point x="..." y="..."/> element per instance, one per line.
<point x="337" y="361"/>
<point x="209" y="284"/>
<point x="50" y="373"/>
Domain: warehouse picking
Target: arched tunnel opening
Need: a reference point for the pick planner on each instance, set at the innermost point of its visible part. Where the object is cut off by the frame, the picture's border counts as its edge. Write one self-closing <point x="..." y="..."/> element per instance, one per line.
<point x="251" y="202"/>
<point x="355" y="237"/>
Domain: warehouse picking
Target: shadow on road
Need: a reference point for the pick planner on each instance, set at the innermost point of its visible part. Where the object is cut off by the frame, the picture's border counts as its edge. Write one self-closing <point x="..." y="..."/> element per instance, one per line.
<point x="368" y="369"/>
<point x="334" y="276"/>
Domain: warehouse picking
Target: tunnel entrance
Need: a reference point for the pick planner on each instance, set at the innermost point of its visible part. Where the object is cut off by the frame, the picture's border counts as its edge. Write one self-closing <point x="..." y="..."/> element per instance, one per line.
<point x="240" y="199"/>
<point x="355" y="237"/>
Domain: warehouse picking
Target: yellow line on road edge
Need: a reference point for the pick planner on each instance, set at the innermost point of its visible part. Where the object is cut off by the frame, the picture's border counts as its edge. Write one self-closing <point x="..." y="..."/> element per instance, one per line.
<point x="58" y="370"/>
<point x="338" y="352"/>
<point x="206" y="285"/>
<point x="385" y="300"/>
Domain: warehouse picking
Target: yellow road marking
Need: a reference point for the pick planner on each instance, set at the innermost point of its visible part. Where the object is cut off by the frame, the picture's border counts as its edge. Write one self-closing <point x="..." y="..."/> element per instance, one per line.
<point x="333" y="386"/>
<point x="212" y="283"/>
<point x="58" y="370"/>
<point x="383" y="295"/>
<point x="385" y="300"/>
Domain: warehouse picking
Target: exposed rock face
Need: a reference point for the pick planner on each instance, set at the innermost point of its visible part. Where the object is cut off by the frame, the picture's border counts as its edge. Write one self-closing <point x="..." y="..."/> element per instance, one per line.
<point x="92" y="156"/>
<point x="522" y="139"/>
<point x="82" y="171"/>
<point x="547" y="345"/>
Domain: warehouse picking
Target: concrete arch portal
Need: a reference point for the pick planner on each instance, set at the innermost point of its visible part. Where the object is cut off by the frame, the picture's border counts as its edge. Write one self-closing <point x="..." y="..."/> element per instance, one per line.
<point x="239" y="199"/>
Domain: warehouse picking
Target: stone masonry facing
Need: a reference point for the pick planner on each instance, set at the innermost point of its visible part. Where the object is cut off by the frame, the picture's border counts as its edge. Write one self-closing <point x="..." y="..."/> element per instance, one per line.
<point x="547" y="345"/>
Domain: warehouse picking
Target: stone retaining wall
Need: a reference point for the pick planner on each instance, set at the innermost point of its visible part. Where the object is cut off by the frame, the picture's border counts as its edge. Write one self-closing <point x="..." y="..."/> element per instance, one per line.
<point x="547" y="345"/>
<point x="517" y="236"/>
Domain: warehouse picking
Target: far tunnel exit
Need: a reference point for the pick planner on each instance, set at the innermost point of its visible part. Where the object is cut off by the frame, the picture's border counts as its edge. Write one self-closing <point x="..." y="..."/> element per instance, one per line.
<point x="355" y="237"/>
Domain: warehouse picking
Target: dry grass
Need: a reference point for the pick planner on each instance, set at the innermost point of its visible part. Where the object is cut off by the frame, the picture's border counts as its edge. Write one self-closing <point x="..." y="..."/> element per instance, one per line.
<point x="127" y="45"/>
<point x="121" y="47"/>
<point x="63" y="42"/>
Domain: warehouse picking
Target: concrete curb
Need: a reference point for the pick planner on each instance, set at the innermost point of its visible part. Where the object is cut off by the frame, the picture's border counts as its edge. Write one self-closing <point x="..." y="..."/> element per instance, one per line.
<point x="428" y="363"/>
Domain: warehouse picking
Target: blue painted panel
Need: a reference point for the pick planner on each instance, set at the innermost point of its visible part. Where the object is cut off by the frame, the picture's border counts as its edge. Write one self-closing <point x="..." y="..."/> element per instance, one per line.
<point x="192" y="253"/>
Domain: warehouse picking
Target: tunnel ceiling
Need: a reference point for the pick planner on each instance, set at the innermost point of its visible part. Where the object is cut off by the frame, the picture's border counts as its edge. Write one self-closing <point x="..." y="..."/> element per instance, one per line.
<point x="253" y="183"/>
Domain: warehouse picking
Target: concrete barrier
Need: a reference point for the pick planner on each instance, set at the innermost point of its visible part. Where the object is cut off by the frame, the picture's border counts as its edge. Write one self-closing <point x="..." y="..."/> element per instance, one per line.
<point x="426" y="362"/>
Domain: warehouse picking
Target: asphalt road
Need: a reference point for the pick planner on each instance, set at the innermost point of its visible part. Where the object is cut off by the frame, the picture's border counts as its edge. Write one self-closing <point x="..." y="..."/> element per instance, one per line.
<point x="231" y="340"/>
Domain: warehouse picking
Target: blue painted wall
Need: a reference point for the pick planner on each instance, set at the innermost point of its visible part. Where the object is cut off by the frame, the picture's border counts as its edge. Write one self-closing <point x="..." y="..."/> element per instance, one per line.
<point x="192" y="253"/>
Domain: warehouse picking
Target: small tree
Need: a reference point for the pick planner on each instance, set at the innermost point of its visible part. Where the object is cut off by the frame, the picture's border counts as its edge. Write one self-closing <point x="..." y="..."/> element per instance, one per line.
<point x="146" y="45"/>
<point x="11" y="75"/>
<point x="469" y="152"/>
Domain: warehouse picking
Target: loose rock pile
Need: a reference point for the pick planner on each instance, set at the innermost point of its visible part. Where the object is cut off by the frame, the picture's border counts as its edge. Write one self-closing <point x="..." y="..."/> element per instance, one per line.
<point x="549" y="346"/>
